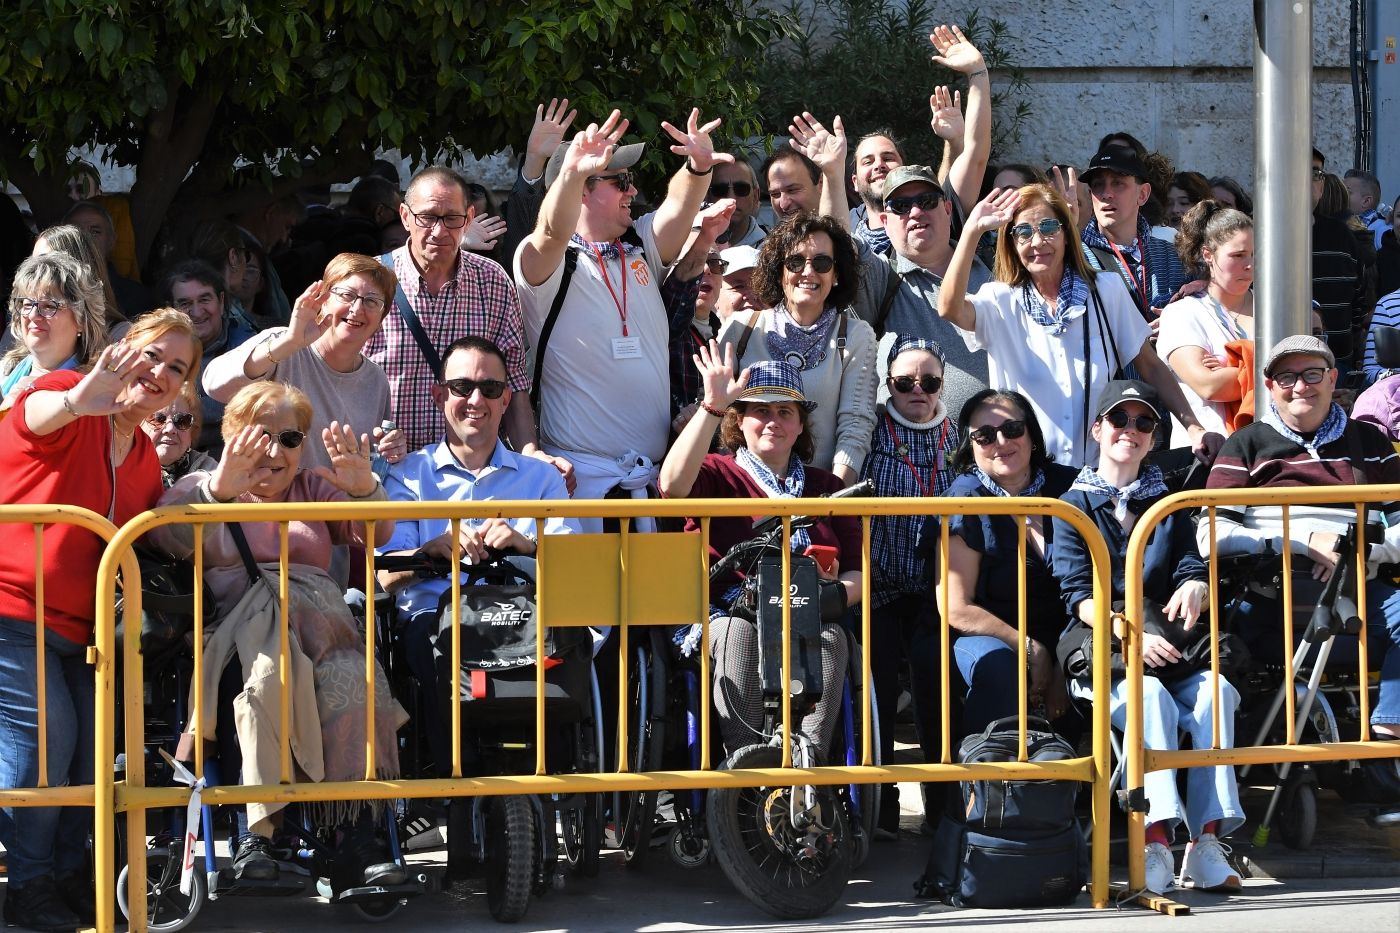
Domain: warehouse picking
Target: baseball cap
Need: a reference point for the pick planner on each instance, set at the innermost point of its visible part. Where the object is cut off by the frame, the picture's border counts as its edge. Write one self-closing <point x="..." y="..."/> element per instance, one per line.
<point x="1299" y="343"/>
<point x="1118" y="159"/>
<point x="623" y="157"/>
<point x="739" y="258"/>
<point x="904" y="174"/>
<point x="1128" y="390"/>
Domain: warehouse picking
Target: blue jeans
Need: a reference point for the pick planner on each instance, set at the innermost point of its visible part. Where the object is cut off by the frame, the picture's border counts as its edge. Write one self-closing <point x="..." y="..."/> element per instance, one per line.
<point x="44" y="840"/>
<point x="987" y="666"/>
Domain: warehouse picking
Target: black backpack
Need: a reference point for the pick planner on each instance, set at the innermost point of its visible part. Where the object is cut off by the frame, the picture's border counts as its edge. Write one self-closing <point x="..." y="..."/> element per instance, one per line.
<point x="1016" y="843"/>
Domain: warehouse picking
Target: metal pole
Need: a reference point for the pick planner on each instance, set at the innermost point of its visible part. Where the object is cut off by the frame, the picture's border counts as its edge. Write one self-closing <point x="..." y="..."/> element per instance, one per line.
<point x="1282" y="171"/>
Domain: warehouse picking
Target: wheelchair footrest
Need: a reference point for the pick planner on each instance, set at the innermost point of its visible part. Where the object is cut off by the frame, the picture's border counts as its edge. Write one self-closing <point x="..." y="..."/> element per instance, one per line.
<point x="414" y="886"/>
<point x="283" y="886"/>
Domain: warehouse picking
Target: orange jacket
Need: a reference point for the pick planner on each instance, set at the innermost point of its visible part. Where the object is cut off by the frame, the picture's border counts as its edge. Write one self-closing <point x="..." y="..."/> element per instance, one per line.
<point x="1240" y="353"/>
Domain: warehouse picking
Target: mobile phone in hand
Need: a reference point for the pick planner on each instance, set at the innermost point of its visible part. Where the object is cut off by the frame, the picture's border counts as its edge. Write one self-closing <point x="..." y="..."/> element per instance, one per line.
<point x="824" y="555"/>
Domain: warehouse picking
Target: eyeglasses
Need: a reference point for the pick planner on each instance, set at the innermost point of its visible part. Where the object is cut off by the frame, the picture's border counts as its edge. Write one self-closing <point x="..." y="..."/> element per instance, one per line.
<point x="1047" y="228"/>
<point x="719" y="189"/>
<point x="288" y="439"/>
<point x="623" y="180"/>
<point x="987" y="435"/>
<point x="905" y="384"/>
<point x="183" y="421"/>
<point x="716" y="266"/>
<point x="1318" y="174"/>
<point x="925" y="201"/>
<point x="372" y="302"/>
<point x="1143" y="424"/>
<point x="463" y="388"/>
<point x="45" y="308"/>
<point x="821" y="264"/>
<point x="429" y="221"/>
<point x="1312" y="376"/>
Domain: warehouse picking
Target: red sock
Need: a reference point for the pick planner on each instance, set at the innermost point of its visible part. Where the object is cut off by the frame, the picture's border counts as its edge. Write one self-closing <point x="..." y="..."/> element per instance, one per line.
<point x="1213" y="827"/>
<point x="1157" y="832"/>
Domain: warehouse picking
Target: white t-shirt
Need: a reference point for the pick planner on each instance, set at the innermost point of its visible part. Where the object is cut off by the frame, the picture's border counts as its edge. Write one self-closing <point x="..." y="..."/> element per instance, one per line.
<point x="1050" y="370"/>
<point x="1194" y="322"/>
<point x="596" y="395"/>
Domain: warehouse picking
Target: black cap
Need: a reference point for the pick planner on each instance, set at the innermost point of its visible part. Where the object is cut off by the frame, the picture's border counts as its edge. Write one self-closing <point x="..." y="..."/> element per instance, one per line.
<point x="1128" y="390"/>
<point x="1119" y="159"/>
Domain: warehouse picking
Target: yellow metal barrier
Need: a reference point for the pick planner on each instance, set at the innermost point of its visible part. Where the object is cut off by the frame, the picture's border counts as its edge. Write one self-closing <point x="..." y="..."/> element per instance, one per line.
<point x="1142" y="760"/>
<point x="620" y="580"/>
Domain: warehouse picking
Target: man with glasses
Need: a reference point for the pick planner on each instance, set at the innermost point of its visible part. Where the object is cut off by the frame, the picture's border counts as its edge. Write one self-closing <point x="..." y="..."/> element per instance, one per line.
<point x="737" y="180"/>
<point x="468" y="464"/>
<point x="446" y="292"/>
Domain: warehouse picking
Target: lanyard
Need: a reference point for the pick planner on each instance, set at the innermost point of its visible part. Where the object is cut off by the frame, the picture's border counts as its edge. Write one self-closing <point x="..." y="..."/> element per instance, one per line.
<point x="603" y="268"/>
<point x="902" y="452"/>
<point x="1141" y="285"/>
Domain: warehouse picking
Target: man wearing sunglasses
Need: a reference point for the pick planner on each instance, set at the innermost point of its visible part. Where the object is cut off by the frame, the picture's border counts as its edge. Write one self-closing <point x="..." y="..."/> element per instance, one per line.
<point x="736" y="180"/>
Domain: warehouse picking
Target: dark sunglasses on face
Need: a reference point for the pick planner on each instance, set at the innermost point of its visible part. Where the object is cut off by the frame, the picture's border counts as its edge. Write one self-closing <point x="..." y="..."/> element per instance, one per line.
<point x="925" y="201"/>
<point x="905" y="384"/>
<point x="987" y="435"/>
<point x="716" y="266"/>
<point x="463" y="388"/>
<point x="820" y="264"/>
<point x="1143" y="424"/>
<point x="288" y="439"/>
<point x="719" y="189"/>
<point x="183" y="421"/>
<point x="1047" y="228"/>
<point x="1312" y="376"/>
<point x="623" y="180"/>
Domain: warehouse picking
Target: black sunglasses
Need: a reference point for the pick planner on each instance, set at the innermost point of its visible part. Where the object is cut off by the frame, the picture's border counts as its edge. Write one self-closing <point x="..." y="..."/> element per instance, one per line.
<point x="1143" y="424"/>
<point x="623" y="180"/>
<point x="463" y="388"/>
<point x="905" y="384"/>
<point x="719" y="189"/>
<point x="1312" y="376"/>
<point x="820" y="264"/>
<point x="1047" y="228"/>
<point x="986" y="435"/>
<point x="288" y="439"/>
<point x="183" y="421"/>
<point x="716" y="266"/>
<point x="925" y="201"/>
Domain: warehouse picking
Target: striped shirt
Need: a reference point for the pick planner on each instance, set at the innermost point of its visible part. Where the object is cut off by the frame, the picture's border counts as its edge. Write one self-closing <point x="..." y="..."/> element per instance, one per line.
<point x="1387" y="314"/>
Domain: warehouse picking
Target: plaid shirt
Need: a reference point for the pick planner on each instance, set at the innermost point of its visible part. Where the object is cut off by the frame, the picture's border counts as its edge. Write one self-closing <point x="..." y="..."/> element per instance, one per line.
<point x="479" y="301"/>
<point x="900" y="567"/>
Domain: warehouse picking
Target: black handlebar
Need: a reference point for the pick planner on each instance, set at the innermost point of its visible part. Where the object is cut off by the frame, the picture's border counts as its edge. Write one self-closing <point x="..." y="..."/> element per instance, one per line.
<point x="767" y="529"/>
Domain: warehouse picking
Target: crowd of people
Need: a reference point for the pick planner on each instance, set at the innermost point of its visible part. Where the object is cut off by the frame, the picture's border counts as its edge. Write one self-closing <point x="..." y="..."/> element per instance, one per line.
<point x="965" y="330"/>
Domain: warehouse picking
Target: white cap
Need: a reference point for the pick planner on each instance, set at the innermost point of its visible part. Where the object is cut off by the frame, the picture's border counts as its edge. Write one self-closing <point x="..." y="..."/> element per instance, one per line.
<point x="739" y="258"/>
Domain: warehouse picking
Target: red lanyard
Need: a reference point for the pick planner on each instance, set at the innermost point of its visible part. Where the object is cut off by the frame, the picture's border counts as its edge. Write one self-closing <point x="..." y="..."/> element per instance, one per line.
<point x="902" y="452"/>
<point x="1141" y="284"/>
<point x="603" y="268"/>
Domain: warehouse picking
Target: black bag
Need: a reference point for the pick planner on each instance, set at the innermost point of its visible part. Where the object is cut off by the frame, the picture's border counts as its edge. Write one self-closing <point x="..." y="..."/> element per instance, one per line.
<point x="498" y="641"/>
<point x="1016" y="843"/>
<point x="1075" y="649"/>
<point x="167" y="606"/>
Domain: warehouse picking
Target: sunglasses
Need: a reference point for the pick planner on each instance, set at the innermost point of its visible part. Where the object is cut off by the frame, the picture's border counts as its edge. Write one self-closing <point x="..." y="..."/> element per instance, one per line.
<point x="719" y="189"/>
<point x="820" y="264"/>
<point x="463" y="388"/>
<point x="1143" y="424"/>
<point x="1047" y="228"/>
<point x="1312" y="376"/>
<point x="1009" y="430"/>
<point x="623" y="180"/>
<point x="716" y="266"/>
<point x="288" y="439"/>
<point x="902" y="205"/>
<point x="183" y="421"/>
<point x="905" y="384"/>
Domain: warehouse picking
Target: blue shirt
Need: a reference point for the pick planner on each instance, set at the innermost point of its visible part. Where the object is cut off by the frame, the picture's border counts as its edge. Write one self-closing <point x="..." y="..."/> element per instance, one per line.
<point x="434" y="474"/>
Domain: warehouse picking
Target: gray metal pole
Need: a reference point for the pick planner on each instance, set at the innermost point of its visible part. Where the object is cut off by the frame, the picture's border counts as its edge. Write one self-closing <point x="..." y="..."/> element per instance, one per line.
<point x="1282" y="172"/>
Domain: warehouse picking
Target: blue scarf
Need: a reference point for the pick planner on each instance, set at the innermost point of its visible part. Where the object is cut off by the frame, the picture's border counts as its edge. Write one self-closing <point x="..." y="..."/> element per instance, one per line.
<point x="26" y="366"/>
<point x="993" y="487"/>
<point x="1332" y="428"/>
<point x="803" y="347"/>
<point x="1093" y="236"/>
<point x="1072" y="302"/>
<point x="1148" y="485"/>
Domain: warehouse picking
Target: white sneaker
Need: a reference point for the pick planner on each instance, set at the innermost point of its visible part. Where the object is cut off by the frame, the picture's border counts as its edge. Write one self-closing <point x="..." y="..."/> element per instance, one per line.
<point x="1207" y="866"/>
<point x="1161" y="869"/>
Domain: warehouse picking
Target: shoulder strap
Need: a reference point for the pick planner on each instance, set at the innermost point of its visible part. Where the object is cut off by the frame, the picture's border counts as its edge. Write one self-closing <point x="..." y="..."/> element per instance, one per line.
<point x="570" y="263"/>
<point x="1109" y="262"/>
<point x="415" y="326"/>
<point x="244" y="551"/>
<point x="744" y="337"/>
<point x="893" y="280"/>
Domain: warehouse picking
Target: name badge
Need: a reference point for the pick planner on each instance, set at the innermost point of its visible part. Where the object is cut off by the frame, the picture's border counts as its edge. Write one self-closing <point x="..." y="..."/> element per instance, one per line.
<point x="626" y="348"/>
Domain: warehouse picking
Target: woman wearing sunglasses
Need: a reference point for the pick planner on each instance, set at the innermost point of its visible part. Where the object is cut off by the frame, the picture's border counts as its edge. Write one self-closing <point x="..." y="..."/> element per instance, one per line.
<point x="1054" y="330"/>
<point x="807" y="275"/>
<point x="321" y="352"/>
<point x="172" y="430"/>
<point x="1113" y="495"/>
<point x="265" y="429"/>
<point x="1002" y="454"/>
<point x="56" y="321"/>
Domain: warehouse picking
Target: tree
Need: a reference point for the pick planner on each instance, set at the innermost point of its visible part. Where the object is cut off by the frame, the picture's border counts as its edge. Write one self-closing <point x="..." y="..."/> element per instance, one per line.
<point x="223" y="105"/>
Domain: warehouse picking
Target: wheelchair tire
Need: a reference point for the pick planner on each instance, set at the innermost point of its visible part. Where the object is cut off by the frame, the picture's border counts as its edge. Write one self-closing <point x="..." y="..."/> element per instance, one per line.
<point x="510" y="857"/>
<point x="634" y="812"/>
<point x="757" y="846"/>
<point x="167" y="910"/>
<point x="379" y="909"/>
<point x="688" y="850"/>
<point x="582" y="826"/>
<point x="1297" y="815"/>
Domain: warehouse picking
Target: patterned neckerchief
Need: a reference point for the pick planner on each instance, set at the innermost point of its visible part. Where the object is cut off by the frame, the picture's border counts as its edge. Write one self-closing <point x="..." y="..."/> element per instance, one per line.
<point x="1333" y="426"/>
<point x="803" y="347"/>
<point x="1093" y="236"/>
<point x="790" y="488"/>
<point x="1072" y="302"/>
<point x="1148" y="485"/>
<point x="993" y="487"/>
<point x="607" y="250"/>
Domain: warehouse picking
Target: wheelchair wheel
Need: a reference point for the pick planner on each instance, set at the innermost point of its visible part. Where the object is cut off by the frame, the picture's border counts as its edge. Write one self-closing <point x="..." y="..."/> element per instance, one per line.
<point x="688" y="849"/>
<point x="167" y="909"/>
<point x="634" y="812"/>
<point x="793" y="873"/>
<point x="510" y="856"/>
<point x="1297" y="815"/>
<point x="379" y="909"/>
<point x="582" y="828"/>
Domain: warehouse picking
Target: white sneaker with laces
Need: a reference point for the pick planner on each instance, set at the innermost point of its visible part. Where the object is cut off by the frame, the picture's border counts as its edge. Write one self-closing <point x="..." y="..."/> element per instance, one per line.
<point x="1207" y="866"/>
<point x="1161" y="869"/>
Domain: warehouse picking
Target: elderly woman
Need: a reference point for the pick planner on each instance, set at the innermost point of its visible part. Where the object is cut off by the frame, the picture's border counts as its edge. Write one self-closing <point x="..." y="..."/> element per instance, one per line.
<point x="762" y="416"/>
<point x="70" y="439"/>
<point x="1054" y="330"/>
<point x="807" y="275"/>
<point x="171" y="430"/>
<point x="1002" y="454"/>
<point x="1196" y="329"/>
<point x="264" y="427"/>
<point x="321" y="352"/>
<point x="56" y="319"/>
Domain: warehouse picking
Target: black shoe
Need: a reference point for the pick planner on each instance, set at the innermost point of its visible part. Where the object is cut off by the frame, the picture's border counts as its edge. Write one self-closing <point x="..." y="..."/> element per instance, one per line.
<point x="76" y="892"/>
<point x="254" y="861"/>
<point x="363" y="861"/>
<point x="36" y="905"/>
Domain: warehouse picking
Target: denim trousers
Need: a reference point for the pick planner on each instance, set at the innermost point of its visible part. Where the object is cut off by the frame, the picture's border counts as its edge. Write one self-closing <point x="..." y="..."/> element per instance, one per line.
<point x="987" y="667"/>
<point x="44" y="840"/>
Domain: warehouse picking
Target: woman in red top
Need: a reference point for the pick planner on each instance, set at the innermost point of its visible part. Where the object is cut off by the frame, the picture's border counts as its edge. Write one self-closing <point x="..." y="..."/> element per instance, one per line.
<point x="71" y="439"/>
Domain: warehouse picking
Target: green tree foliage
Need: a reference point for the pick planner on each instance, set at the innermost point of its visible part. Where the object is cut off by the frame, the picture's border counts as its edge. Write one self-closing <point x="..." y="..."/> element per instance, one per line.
<point x="869" y="61"/>
<point x="221" y="104"/>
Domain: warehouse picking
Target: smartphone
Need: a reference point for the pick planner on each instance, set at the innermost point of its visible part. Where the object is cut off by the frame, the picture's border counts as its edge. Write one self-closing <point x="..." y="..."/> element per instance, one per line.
<point x="824" y="555"/>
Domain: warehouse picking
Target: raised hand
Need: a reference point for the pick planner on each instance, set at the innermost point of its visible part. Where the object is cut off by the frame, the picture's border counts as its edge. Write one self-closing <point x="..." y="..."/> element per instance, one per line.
<point x="695" y="142"/>
<point x="954" y="51"/>
<point x="593" y="146"/>
<point x="1067" y="186"/>
<point x="995" y="211"/>
<point x="350" y="470"/>
<point x="243" y="465"/>
<point x="947" y="119"/>
<point x="483" y="232"/>
<point x="827" y="148"/>
<point x="716" y="365"/>
<point x="308" y="321"/>
<point x="714" y="219"/>
<point x="548" y="131"/>
<point x="117" y="367"/>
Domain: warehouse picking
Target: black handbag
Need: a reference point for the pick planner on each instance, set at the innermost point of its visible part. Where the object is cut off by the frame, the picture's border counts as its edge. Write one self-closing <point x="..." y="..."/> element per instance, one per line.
<point x="1075" y="650"/>
<point x="167" y="605"/>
